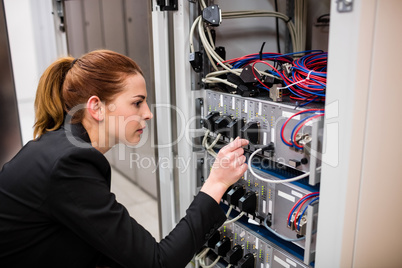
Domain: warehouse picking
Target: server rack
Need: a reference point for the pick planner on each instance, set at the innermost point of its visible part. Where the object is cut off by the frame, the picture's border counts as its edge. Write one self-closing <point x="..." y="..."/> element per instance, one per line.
<point x="341" y="154"/>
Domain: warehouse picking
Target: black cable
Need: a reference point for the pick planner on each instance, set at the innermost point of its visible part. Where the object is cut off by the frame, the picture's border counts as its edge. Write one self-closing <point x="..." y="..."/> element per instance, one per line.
<point x="277" y="29"/>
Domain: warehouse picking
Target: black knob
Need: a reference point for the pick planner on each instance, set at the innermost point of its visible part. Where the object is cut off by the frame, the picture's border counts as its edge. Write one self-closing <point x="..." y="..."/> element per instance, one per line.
<point x="209" y="121"/>
<point x="251" y="132"/>
<point x="235" y="254"/>
<point x="223" y="247"/>
<point x="247" y="261"/>
<point x="235" y="194"/>
<point x="234" y="127"/>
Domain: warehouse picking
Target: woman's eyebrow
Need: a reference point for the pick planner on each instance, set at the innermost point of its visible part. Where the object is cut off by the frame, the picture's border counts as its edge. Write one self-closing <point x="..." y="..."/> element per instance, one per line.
<point x="140" y="96"/>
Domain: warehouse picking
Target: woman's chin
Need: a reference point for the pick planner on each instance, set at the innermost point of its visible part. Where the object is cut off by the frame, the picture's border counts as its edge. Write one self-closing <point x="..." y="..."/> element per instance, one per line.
<point x="131" y="142"/>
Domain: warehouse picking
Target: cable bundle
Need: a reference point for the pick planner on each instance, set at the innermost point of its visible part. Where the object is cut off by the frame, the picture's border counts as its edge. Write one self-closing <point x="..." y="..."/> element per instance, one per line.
<point x="248" y="59"/>
<point x="293" y="143"/>
<point x="309" y="77"/>
<point x="313" y="197"/>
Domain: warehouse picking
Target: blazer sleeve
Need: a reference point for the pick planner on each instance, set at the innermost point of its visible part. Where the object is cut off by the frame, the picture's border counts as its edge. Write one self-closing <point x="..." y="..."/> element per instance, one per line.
<point x="80" y="199"/>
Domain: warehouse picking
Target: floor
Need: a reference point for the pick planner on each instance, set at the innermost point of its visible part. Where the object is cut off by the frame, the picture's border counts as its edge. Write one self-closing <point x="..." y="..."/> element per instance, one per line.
<point x="141" y="206"/>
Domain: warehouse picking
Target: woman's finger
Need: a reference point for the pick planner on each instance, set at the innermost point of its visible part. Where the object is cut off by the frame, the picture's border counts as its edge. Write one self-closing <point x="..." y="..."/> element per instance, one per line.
<point x="240" y="160"/>
<point x="237" y="143"/>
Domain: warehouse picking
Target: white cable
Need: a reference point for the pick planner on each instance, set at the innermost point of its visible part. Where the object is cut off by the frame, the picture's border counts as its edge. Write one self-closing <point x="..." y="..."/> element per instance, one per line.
<point x="210" y="51"/>
<point x="218" y="73"/>
<point x="301" y="81"/>
<point x="235" y="219"/>
<point x="215" y="80"/>
<point x="202" y="254"/>
<point x="205" y="145"/>
<point x="209" y="147"/>
<point x="191" y="38"/>
<point x="229" y="210"/>
<point x="211" y="40"/>
<point x="262" y="13"/>
<point x="202" y="4"/>
<point x="211" y="265"/>
<point x="272" y="181"/>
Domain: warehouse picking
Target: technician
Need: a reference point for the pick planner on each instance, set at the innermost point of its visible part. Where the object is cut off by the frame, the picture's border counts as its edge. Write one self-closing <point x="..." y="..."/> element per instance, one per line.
<point x="56" y="208"/>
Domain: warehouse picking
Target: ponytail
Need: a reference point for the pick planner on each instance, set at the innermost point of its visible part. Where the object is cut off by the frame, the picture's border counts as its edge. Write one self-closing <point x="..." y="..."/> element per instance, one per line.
<point x="69" y="82"/>
<point x="49" y="104"/>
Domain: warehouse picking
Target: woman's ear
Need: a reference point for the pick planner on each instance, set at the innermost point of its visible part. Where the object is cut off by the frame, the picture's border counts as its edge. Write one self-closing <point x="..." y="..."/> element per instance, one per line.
<point x="96" y="108"/>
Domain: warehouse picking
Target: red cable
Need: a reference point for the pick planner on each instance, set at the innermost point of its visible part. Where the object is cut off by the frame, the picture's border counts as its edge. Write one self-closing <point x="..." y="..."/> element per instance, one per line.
<point x="301" y="125"/>
<point x="284" y="125"/>
<point x="295" y="205"/>
<point x="297" y="213"/>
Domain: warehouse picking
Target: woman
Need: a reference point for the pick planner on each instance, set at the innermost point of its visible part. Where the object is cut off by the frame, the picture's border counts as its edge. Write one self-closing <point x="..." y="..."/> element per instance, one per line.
<point x="56" y="208"/>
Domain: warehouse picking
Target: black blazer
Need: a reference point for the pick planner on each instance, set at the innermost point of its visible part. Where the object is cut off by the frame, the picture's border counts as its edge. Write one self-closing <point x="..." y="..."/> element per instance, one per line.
<point x="56" y="210"/>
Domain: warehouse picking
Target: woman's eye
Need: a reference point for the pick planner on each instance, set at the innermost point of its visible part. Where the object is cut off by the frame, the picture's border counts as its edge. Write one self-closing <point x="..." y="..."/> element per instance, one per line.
<point x="138" y="103"/>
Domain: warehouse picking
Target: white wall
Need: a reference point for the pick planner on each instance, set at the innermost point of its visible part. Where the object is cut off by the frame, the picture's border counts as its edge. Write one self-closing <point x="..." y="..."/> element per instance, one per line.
<point x="33" y="46"/>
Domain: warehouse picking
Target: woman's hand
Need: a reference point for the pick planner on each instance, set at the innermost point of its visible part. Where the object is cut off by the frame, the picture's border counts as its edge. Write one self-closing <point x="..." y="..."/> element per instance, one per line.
<point x="228" y="167"/>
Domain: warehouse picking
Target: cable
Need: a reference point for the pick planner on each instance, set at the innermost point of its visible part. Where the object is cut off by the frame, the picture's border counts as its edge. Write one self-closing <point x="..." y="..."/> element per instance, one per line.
<point x="202" y="4"/>
<point x="311" y="195"/>
<point x="206" y="145"/>
<point x="277" y="28"/>
<point x="312" y="201"/>
<point x="279" y="235"/>
<point x="229" y="210"/>
<point x="297" y="128"/>
<point x="264" y="13"/>
<point x="269" y="180"/>
<point x="191" y="37"/>
<point x="202" y="254"/>
<point x="235" y="219"/>
<point x="286" y="122"/>
<point x="211" y="265"/>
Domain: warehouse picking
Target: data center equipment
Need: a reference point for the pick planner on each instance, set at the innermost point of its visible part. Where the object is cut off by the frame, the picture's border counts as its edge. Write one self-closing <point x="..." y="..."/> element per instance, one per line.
<point x="235" y="65"/>
<point x="270" y="90"/>
<point x="276" y="101"/>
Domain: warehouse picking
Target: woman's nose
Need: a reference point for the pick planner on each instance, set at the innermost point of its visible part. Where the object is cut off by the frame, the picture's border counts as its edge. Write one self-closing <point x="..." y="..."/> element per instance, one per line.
<point x="147" y="113"/>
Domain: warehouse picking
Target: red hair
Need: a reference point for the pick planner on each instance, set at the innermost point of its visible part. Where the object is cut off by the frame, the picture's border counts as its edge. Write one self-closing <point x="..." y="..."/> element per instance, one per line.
<point x="67" y="83"/>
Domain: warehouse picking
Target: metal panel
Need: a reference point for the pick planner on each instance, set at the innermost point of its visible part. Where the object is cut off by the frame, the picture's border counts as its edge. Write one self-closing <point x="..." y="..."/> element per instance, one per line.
<point x="76" y="34"/>
<point x="113" y="24"/>
<point x="94" y="36"/>
<point x="139" y="47"/>
<point x="10" y="135"/>
<point x="163" y="117"/>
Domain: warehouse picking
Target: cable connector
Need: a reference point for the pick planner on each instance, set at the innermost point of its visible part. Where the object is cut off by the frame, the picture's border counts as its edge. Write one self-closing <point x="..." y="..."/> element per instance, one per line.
<point x="270" y="149"/>
<point x="275" y="92"/>
<point x="212" y="15"/>
<point x="195" y="59"/>
<point x="235" y="254"/>
<point x="248" y="261"/>
<point x="287" y="67"/>
<point x="247" y="75"/>
<point x="223" y="246"/>
<point x="248" y="203"/>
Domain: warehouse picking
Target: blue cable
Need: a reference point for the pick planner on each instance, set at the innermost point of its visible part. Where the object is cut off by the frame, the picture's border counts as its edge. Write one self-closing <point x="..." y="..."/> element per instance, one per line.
<point x="304" y="112"/>
<point x="301" y="201"/>
<point x="298" y="124"/>
<point x="304" y="104"/>
<point x="279" y="235"/>
<point x="298" y="222"/>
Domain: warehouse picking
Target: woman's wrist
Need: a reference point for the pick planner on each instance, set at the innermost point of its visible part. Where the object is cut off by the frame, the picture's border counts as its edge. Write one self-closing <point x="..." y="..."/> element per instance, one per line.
<point x="214" y="188"/>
